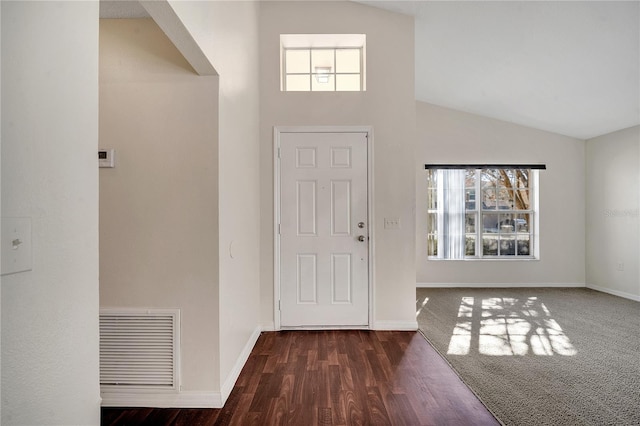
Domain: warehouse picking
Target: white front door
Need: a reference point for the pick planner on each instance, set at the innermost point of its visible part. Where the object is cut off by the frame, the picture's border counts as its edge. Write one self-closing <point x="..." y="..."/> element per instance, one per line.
<point x="324" y="239"/>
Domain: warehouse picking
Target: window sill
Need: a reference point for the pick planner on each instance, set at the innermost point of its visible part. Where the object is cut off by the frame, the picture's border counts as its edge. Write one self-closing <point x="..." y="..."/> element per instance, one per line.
<point x="485" y="259"/>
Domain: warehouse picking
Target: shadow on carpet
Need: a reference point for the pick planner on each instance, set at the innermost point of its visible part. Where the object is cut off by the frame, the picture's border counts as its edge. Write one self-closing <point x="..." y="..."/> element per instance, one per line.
<point x="540" y="356"/>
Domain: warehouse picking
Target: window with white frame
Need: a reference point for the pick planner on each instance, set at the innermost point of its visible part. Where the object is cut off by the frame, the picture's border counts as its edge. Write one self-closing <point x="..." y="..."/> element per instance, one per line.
<point x="482" y="212"/>
<point x="322" y="62"/>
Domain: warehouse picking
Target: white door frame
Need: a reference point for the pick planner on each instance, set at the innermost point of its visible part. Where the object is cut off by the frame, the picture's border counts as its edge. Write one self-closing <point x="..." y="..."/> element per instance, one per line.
<point x="277" y="131"/>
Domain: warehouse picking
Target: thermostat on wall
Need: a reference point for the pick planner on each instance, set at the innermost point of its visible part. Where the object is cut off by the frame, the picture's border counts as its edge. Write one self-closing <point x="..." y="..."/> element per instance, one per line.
<point x="106" y="158"/>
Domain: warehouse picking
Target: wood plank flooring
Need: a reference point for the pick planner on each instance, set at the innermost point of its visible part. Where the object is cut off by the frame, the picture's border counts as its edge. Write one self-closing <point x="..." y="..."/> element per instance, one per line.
<point x="353" y="377"/>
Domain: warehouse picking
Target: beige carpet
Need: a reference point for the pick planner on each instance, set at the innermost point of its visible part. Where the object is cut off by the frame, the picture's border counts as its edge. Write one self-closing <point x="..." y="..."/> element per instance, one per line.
<point x="540" y="356"/>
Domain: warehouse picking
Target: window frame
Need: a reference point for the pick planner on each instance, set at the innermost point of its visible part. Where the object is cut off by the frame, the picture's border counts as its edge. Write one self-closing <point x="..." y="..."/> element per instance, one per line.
<point x="434" y="216"/>
<point x="333" y="72"/>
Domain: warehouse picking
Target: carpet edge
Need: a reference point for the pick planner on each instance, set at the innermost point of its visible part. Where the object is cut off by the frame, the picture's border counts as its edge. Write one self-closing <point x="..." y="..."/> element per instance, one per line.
<point x="460" y="377"/>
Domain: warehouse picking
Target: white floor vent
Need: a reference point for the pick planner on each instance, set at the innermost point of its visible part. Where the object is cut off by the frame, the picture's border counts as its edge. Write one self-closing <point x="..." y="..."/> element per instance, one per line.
<point x="139" y="349"/>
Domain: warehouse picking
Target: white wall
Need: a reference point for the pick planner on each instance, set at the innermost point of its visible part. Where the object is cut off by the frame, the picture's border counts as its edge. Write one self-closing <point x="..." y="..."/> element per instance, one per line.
<point x="223" y="34"/>
<point x="49" y="174"/>
<point x="159" y="205"/>
<point x="388" y="106"/>
<point x="449" y="136"/>
<point x="613" y="213"/>
<point x="0" y="208"/>
<point x="226" y="31"/>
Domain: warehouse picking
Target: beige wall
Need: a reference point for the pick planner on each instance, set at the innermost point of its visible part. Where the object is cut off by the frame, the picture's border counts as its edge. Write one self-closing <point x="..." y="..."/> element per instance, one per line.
<point x="49" y="174"/>
<point x="227" y="33"/>
<point x="613" y="213"/>
<point x="159" y="205"/>
<point x="449" y="136"/>
<point x="388" y="106"/>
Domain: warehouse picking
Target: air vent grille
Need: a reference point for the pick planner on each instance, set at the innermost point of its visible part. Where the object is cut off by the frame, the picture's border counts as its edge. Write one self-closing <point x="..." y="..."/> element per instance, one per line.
<point x="139" y="348"/>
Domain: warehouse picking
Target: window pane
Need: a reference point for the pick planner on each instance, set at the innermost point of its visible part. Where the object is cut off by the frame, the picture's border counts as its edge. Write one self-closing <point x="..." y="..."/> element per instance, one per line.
<point x="432" y="198"/>
<point x="470" y="177"/>
<point x="470" y="198"/>
<point x="504" y="198"/>
<point x="503" y="177"/>
<point x="489" y="177"/>
<point x="432" y="245"/>
<point x="432" y="223"/>
<point x="506" y="223"/>
<point x="507" y="245"/>
<point x="348" y="60"/>
<point x="490" y="245"/>
<point x="297" y="83"/>
<point x="490" y="223"/>
<point x="323" y="83"/>
<point x="522" y="178"/>
<point x="348" y="83"/>
<point x="470" y="245"/>
<point x="470" y="190"/>
<point x="322" y="61"/>
<point x="432" y="178"/>
<point x="522" y="200"/>
<point x="522" y="223"/>
<point x="524" y="245"/>
<point x="470" y="223"/>
<point x="489" y="198"/>
<point x="297" y="61"/>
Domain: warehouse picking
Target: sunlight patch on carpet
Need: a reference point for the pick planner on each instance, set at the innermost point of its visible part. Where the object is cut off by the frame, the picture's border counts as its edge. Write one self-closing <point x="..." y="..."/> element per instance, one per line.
<point x="504" y="326"/>
<point x="424" y="302"/>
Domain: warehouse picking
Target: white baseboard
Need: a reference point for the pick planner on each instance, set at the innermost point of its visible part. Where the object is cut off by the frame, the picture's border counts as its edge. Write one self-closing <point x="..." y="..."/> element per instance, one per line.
<point x="228" y="384"/>
<point x="615" y="292"/>
<point x="497" y="285"/>
<point x="184" y="399"/>
<point x="268" y="327"/>
<point x="187" y="399"/>
<point x="395" y="325"/>
<point x="377" y="325"/>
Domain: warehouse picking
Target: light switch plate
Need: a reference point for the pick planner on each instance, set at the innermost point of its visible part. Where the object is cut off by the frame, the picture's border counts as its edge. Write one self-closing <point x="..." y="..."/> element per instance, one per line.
<point x="391" y="223"/>
<point x="107" y="158"/>
<point x="16" y="245"/>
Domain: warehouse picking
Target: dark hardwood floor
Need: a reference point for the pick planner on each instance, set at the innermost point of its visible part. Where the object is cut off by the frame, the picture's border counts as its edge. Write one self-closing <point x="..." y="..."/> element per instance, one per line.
<point x="333" y="378"/>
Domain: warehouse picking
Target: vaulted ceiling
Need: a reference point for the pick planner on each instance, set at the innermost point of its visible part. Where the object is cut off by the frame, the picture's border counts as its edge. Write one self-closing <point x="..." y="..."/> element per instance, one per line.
<point x="568" y="67"/>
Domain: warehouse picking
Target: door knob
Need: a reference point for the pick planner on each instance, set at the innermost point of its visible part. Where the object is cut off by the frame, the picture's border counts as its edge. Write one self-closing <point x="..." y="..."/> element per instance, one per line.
<point x="361" y="238"/>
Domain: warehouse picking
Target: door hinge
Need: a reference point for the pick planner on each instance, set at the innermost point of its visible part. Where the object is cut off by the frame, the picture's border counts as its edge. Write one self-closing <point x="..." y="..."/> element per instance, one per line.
<point x="278" y="229"/>
<point x="279" y="305"/>
<point x="278" y="152"/>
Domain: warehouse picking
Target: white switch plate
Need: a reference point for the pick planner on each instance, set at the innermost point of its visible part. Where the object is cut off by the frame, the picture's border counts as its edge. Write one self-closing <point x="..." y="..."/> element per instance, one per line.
<point x="16" y="245"/>
<point x="391" y="223"/>
<point x="107" y="158"/>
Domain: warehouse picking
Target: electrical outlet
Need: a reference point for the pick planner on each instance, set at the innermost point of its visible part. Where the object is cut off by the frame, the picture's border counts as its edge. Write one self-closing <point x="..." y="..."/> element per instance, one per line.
<point x="391" y="223"/>
<point x="16" y="245"/>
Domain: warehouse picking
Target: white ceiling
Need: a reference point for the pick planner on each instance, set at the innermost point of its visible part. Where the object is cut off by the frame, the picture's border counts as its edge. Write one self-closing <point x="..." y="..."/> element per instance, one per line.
<point x="571" y="68"/>
<point x="568" y="67"/>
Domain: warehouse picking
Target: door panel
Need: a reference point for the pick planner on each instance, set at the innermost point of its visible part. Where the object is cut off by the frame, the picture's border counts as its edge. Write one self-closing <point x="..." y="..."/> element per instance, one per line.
<point x="306" y="283"/>
<point x="340" y="208"/>
<point x="306" y="202"/>
<point x="323" y="198"/>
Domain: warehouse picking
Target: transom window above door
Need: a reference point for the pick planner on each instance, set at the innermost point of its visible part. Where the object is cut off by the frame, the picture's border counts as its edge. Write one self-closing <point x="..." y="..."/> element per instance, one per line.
<point x="322" y="62"/>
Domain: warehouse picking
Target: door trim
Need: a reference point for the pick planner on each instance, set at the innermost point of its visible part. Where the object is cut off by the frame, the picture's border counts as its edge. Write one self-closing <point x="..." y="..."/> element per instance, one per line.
<point x="277" y="132"/>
